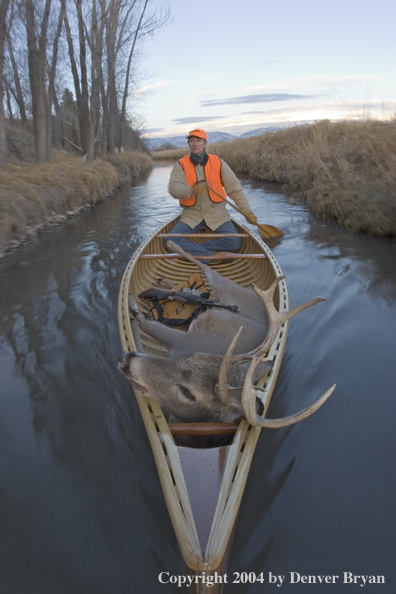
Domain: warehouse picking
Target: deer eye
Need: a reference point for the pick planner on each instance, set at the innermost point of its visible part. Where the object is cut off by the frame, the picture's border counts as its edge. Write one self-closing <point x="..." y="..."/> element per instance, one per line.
<point x="186" y="393"/>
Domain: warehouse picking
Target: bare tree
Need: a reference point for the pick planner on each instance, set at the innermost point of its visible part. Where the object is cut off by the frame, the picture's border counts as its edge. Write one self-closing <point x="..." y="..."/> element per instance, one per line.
<point x="37" y="63"/>
<point x="52" y="97"/>
<point x="17" y="92"/>
<point x="3" y="15"/>
<point x="84" y="97"/>
<point x="101" y="38"/>
<point x="127" y="77"/>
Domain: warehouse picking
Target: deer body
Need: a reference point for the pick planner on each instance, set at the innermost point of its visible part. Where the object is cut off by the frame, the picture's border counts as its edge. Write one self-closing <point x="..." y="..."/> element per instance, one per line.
<point x="212" y="367"/>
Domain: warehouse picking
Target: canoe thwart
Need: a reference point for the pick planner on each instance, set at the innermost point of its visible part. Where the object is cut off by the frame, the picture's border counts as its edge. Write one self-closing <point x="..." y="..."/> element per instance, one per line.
<point x="170" y="235"/>
<point x="224" y="256"/>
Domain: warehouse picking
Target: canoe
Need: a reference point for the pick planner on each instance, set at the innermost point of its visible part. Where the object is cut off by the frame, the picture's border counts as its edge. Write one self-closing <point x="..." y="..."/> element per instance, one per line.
<point x="203" y="467"/>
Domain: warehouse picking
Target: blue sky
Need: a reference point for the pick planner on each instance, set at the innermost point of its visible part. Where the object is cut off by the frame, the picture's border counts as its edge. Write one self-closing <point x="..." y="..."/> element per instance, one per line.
<point x="236" y="66"/>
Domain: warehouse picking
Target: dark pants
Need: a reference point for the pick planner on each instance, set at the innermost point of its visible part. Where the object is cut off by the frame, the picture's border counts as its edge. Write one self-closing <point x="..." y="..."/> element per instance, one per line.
<point x="223" y="244"/>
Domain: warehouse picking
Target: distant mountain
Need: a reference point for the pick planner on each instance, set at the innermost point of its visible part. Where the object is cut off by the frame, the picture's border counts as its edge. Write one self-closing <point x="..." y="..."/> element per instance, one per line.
<point x="181" y="141"/>
<point x="259" y="131"/>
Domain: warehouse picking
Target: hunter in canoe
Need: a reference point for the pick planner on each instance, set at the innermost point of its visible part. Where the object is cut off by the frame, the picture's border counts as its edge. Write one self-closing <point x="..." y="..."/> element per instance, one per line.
<point x="200" y="182"/>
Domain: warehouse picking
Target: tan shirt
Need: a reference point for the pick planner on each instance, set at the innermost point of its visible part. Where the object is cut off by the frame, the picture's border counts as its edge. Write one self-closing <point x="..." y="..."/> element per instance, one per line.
<point x="213" y="213"/>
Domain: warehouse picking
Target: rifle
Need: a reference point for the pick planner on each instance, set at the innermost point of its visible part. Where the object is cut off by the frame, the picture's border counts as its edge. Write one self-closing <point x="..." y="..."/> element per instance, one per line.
<point x="191" y="296"/>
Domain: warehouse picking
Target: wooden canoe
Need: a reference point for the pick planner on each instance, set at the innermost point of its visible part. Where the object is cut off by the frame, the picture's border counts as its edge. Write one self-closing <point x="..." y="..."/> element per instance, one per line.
<point x="202" y="486"/>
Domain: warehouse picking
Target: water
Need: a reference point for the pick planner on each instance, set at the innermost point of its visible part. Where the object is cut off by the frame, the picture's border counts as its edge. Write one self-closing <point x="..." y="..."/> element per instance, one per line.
<point x="81" y="505"/>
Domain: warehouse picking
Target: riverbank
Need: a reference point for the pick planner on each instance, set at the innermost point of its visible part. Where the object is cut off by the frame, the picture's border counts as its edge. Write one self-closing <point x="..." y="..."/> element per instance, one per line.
<point x="344" y="170"/>
<point x="35" y="197"/>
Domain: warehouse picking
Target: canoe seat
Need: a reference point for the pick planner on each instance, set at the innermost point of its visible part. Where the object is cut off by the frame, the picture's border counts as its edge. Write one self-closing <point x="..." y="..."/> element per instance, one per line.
<point x="202" y="429"/>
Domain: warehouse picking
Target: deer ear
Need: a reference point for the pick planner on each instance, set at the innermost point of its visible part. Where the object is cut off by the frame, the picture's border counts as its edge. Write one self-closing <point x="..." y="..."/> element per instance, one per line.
<point x="234" y="398"/>
<point x="262" y="369"/>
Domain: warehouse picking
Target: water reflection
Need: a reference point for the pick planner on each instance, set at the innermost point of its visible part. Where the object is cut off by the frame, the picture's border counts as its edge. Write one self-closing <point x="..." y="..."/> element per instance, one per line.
<point x="82" y="509"/>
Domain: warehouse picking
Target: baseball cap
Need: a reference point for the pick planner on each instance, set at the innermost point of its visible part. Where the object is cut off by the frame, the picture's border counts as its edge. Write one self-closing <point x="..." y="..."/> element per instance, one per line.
<point x="198" y="133"/>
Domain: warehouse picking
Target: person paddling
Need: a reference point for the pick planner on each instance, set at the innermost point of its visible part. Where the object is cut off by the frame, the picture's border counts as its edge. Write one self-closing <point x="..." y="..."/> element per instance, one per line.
<point x="204" y="207"/>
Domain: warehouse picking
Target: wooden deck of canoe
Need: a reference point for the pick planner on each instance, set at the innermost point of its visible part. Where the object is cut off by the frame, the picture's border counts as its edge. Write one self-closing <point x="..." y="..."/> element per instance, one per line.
<point x="202" y="467"/>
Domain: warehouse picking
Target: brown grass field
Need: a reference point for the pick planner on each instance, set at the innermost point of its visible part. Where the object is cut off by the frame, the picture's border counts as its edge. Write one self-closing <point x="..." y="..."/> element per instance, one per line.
<point x="344" y="170"/>
<point x="35" y="196"/>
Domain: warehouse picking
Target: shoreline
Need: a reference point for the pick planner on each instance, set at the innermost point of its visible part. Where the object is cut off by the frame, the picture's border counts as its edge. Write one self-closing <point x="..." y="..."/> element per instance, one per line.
<point x="35" y="197"/>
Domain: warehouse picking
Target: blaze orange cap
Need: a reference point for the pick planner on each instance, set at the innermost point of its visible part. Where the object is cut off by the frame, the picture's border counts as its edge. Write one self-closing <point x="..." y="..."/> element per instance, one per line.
<point x="198" y="133"/>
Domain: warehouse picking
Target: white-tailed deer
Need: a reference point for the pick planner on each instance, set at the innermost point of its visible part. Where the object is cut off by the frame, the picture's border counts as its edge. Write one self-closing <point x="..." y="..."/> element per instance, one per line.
<point x="212" y="368"/>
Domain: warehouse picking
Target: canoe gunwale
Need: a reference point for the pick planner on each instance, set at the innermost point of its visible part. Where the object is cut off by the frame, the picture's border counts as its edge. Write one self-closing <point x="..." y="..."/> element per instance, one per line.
<point x="240" y="452"/>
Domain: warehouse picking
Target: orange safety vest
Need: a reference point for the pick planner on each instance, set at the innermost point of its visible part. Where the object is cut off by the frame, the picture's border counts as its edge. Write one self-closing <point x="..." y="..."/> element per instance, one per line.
<point x="212" y="172"/>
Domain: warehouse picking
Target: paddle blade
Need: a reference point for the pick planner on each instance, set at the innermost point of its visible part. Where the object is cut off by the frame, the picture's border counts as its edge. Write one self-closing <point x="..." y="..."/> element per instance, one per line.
<point x="267" y="231"/>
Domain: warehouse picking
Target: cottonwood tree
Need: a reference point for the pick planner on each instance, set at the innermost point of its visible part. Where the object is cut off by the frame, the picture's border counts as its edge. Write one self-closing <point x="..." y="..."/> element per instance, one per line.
<point x="4" y="4"/>
<point x="96" y="43"/>
<point x="16" y="87"/>
<point x="37" y="45"/>
<point x="134" y="21"/>
<point x="52" y="96"/>
<point x="108" y="33"/>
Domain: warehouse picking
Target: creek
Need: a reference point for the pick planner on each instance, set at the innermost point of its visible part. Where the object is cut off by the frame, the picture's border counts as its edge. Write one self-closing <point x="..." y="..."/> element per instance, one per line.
<point x="81" y="508"/>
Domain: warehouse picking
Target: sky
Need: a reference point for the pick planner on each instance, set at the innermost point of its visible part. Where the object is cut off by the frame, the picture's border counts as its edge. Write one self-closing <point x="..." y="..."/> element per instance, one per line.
<point x="231" y="66"/>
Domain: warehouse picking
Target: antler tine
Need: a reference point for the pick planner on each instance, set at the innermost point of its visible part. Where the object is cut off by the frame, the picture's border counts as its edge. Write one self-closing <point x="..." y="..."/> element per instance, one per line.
<point x="275" y="318"/>
<point x="222" y="388"/>
<point x="249" y="404"/>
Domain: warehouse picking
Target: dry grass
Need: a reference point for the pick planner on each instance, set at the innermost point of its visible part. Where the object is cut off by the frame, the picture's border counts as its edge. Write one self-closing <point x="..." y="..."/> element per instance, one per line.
<point x="345" y="170"/>
<point x="34" y="196"/>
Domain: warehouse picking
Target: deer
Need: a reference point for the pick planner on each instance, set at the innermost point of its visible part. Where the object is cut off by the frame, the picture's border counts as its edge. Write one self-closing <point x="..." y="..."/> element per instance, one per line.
<point x="212" y="368"/>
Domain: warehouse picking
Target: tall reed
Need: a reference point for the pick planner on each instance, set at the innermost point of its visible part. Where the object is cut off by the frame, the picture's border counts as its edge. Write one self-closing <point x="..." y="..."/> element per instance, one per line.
<point x="345" y="170"/>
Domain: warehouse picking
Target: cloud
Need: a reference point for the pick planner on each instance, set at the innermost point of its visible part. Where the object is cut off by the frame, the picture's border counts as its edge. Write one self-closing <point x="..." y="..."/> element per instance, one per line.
<point x="334" y="79"/>
<point x="152" y="130"/>
<point x="306" y="84"/>
<point x="261" y="98"/>
<point x="292" y="113"/>
<point x="154" y="86"/>
<point x="192" y="120"/>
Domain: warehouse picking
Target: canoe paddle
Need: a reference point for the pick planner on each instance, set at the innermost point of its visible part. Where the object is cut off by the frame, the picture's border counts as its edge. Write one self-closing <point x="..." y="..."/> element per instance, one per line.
<point x="266" y="231"/>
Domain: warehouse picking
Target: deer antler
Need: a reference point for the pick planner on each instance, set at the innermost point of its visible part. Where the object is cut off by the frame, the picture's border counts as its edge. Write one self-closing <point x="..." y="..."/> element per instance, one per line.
<point x="222" y="387"/>
<point x="249" y="404"/>
<point x="275" y="319"/>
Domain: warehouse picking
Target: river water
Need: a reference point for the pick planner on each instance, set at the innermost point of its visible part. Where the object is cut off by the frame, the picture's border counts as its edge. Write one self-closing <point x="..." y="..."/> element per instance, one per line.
<point x="81" y="509"/>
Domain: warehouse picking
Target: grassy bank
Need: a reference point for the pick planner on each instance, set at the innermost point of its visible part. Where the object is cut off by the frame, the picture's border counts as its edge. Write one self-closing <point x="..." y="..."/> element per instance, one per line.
<point x="344" y="170"/>
<point x="33" y="197"/>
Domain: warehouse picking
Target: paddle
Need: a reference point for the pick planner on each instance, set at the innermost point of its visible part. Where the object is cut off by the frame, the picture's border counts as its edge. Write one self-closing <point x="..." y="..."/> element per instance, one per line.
<point x="266" y="231"/>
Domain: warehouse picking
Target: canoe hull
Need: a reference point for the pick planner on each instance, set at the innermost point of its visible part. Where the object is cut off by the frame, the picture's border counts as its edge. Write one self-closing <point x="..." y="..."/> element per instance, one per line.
<point x="202" y="549"/>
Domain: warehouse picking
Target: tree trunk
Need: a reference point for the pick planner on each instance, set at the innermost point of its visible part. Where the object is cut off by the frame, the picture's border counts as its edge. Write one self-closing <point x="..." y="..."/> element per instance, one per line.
<point x="18" y="89"/>
<point x="52" y="98"/>
<point x="111" y="38"/>
<point x="76" y="77"/>
<point x="3" y="139"/>
<point x="83" y="108"/>
<point x="128" y="73"/>
<point x="36" y="63"/>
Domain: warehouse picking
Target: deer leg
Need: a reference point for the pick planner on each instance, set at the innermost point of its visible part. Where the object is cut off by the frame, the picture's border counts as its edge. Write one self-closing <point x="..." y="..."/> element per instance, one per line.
<point x="136" y="335"/>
